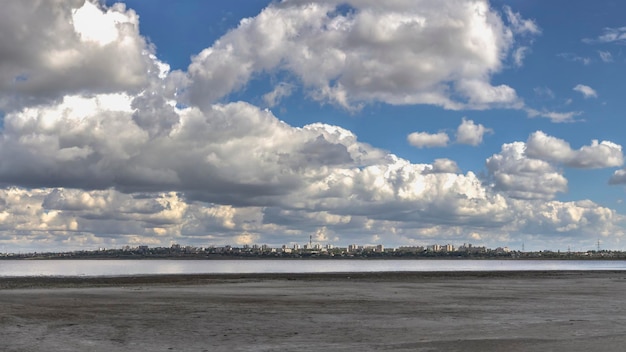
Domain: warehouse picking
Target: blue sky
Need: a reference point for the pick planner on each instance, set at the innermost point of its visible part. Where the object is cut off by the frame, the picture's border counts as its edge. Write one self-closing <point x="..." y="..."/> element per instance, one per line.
<point x="554" y="66"/>
<point x="405" y="123"/>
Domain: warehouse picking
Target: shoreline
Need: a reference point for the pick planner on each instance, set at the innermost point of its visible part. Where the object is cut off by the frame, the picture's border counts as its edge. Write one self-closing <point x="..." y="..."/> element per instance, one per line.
<point x="295" y="258"/>
<point x="43" y="282"/>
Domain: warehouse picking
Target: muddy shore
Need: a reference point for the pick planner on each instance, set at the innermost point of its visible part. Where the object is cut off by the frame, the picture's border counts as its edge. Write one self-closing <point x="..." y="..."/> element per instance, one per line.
<point x="476" y="311"/>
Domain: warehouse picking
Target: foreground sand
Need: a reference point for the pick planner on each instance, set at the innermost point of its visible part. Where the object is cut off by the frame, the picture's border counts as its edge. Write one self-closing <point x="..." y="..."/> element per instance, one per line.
<point x="520" y="311"/>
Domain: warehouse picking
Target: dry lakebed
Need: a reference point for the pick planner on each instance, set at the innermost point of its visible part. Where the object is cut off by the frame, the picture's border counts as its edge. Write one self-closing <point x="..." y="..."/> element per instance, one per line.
<point x="452" y="311"/>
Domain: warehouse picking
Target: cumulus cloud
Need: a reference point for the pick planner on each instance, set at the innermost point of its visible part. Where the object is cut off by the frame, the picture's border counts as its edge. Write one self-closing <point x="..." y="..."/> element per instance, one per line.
<point x="470" y="133"/>
<point x="526" y="170"/>
<point x="65" y="147"/>
<point x="618" y="177"/>
<point x="400" y="191"/>
<point x="68" y="47"/>
<point x="520" y="176"/>
<point x="208" y="156"/>
<point x="443" y="166"/>
<point x="597" y="155"/>
<point x="586" y="91"/>
<point x="53" y="217"/>
<point x="578" y="220"/>
<point x="427" y="140"/>
<point x="72" y="218"/>
<point x="94" y="153"/>
<point x="400" y="53"/>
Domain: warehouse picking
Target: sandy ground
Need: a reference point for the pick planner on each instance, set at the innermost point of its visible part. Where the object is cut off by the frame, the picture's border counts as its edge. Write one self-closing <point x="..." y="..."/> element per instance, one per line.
<point x="567" y="311"/>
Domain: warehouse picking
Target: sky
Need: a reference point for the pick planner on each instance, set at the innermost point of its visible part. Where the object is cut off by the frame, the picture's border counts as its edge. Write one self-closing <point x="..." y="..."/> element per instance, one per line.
<point x="402" y="123"/>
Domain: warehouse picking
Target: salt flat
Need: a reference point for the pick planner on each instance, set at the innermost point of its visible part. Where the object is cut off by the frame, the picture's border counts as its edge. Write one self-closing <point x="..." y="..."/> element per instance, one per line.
<point x="549" y="311"/>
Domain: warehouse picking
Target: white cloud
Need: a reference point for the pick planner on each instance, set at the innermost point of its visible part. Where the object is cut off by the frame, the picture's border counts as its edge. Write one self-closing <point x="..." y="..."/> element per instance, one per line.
<point x="544" y="92"/>
<point x="483" y="94"/>
<point x="321" y="235"/>
<point x="554" y="116"/>
<point x="282" y="90"/>
<point x="618" y="177"/>
<point x="444" y="166"/>
<point x="63" y="147"/>
<point x="400" y="191"/>
<point x="586" y="91"/>
<point x="427" y="140"/>
<point x="597" y="155"/>
<point x="77" y="219"/>
<point x="417" y="52"/>
<point x="69" y="47"/>
<point x="470" y="133"/>
<point x="567" y="221"/>
<point x="605" y="56"/>
<point x="106" y="156"/>
<point x="448" y="205"/>
<point x="575" y="58"/>
<point x="92" y="24"/>
<point x="246" y="239"/>
<point x="519" y="176"/>
<point x="519" y="24"/>
<point x="519" y="55"/>
<point x="524" y="28"/>
<point x="610" y="35"/>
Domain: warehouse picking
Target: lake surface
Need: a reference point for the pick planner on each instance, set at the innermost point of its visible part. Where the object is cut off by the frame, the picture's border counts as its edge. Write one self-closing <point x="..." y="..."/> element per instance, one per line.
<point x="88" y="268"/>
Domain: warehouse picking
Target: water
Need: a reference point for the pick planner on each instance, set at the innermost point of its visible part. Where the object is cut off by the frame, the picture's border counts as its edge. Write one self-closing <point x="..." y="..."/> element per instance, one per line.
<point x="90" y="268"/>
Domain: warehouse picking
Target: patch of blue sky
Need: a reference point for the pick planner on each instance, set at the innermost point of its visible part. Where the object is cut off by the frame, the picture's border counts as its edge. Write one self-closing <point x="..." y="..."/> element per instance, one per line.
<point x="184" y="28"/>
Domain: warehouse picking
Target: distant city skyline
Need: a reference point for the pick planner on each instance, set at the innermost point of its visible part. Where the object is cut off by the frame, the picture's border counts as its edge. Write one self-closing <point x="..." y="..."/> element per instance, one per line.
<point x="492" y="122"/>
<point x="352" y="247"/>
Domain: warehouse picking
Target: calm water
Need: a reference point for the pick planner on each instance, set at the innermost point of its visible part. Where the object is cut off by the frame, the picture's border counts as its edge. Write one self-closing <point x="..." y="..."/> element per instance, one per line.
<point x="13" y="268"/>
